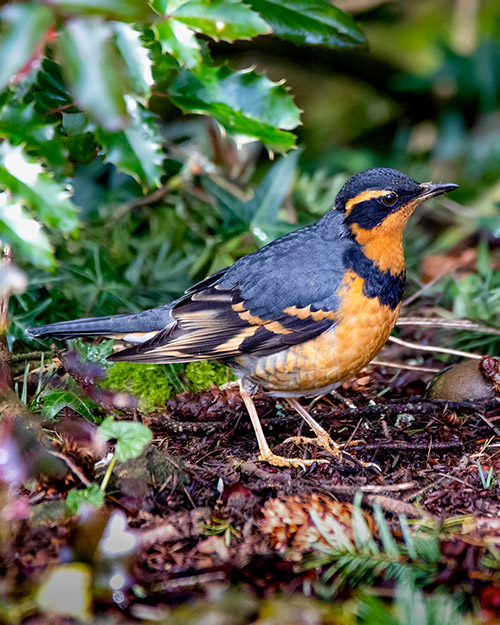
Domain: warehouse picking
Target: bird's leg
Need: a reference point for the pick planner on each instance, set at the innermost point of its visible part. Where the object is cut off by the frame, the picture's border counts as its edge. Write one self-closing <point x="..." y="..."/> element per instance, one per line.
<point x="265" y="453"/>
<point x="323" y="439"/>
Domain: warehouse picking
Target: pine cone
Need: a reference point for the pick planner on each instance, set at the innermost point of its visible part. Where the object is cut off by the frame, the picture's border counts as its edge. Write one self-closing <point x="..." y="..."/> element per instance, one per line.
<point x="300" y="522"/>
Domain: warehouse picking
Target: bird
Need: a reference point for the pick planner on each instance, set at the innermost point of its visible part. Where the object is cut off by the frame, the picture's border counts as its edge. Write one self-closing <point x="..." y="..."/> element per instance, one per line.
<point x="294" y="318"/>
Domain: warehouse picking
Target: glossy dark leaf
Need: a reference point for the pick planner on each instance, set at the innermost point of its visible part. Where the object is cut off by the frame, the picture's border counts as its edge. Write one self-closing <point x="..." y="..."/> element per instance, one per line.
<point x="313" y="22"/>
<point x="136" y="57"/>
<point x="31" y="185"/>
<point x="179" y="41"/>
<point x="25" y="26"/>
<point x="21" y="124"/>
<point x="24" y="234"/>
<point x="55" y="400"/>
<point x="123" y="10"/>
<point x="137" y="148"/>
<point x="221" y="19"/>
<point x="244" y="102"/>
<point x="95" y="70"/>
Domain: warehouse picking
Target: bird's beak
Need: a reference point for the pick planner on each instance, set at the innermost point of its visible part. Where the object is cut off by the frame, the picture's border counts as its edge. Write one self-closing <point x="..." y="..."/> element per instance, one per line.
<point x="431" y="190"/>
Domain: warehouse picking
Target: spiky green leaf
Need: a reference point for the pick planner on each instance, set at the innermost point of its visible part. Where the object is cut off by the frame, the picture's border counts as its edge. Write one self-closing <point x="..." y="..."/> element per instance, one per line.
<point x="312" y="22"/>
<point x="137" y="148"/>
<point x="24" y="234"/>
<point x="29" y="183"/>
<point x="221" y="19"/>
<point x="244" y="102"/>
<point x="95" y="70"/>
<point x="25" y="26"/>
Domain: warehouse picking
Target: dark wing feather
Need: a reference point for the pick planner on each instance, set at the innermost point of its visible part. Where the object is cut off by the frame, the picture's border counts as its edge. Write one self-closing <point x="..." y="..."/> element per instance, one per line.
<point x="281" y="295"/>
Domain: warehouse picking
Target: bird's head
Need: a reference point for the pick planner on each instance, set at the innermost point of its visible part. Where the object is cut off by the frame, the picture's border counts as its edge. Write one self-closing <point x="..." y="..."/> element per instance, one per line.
<point x="377" y="204"/>
<point x="383" y="199"/>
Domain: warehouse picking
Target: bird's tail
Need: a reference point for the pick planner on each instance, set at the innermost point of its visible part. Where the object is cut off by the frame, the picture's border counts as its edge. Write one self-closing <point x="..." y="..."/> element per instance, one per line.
<point x="130" y="328"/>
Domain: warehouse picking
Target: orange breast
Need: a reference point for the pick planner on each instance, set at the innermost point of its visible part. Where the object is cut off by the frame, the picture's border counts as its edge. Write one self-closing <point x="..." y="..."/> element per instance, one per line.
<point x="318" y="364"/>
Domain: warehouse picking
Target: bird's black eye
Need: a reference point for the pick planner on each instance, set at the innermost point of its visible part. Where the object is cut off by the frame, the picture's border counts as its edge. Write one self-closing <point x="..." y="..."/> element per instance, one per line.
<point x="390" y="199"/>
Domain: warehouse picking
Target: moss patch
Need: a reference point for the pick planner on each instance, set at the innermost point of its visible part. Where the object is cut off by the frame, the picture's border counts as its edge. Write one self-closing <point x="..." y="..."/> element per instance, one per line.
<point x="152" y="385"/>
<point x="203" y="373"/>
<point x="149" y="383"/>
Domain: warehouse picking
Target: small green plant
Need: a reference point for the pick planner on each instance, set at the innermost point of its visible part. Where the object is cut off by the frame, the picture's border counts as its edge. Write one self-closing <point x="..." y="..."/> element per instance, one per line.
<point x="131" y="438"/>
<point x="218" y="526"/>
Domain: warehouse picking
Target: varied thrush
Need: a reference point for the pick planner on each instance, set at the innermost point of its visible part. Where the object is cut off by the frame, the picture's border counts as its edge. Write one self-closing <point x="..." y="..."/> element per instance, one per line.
<point x="297" y="316"/>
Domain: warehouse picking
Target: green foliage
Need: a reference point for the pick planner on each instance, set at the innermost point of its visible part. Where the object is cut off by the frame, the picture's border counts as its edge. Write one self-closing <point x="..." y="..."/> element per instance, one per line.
<point x="131" y="437"/>
<point x="78" y="501"/>
<point x="203" y="373"/>
<point x="152" y="385"/>
<point x="148" y="383"/>
<point x="314" y="22"/>
<point x="55" y="400"/>
<point x="362" y="561"/>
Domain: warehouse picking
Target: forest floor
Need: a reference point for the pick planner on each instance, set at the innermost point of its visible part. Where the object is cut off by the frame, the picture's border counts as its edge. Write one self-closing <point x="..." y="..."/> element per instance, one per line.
<point x="218" y="537"/>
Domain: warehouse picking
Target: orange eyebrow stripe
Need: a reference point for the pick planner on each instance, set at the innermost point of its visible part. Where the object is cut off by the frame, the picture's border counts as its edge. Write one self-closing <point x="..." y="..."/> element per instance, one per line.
<point x="363" y="197"/>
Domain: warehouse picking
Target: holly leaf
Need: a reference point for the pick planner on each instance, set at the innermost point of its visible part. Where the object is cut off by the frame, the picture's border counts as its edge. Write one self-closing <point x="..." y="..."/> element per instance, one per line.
<point x="137" y="148"/>
<point x="179" y="41"/>
<point x="221" y="19"/>
<point x="95" y="70"/>
<point x="131" y="437"/>
<point x="244" y="102"/>
<point x="136" y="57"/>
<point x="21" y="124"/>
<point x="25" y="27"/>
<point x="312" y="22"/>
<point x="27" y="181"/>
<point x="24" y="234"/>
<point x="123" y="10"/>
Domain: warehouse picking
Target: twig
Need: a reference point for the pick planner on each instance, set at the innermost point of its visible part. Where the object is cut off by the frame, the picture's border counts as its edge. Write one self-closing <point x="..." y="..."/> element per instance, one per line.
<point x="424" y="288"/>
<point x="72" y="467"/>
<point x="404" y="446"/>
<point x="152" y="198"/>
<point x="30" y="356"/>
<point x="455" y="324"/>
<point x="489" y="423"/>
<point x="434" y="348"/>
<point x="400" y="365"/>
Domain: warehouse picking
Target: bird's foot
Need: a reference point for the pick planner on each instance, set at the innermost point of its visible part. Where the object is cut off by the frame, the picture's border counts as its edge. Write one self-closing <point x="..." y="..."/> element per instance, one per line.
<point x="322" y="440"/>
<point x="327" y="443"/>
<point x="281" y="461"/>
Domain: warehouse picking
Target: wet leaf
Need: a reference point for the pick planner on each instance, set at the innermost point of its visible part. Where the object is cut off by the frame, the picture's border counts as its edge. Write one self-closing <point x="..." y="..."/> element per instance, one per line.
<point x="25" y="26"/>
<point x="136" y="149"/>
<point x="312" y="22"/>
<point x="136" y="57"/>
<point x="95" y="70"/>
<point x="24" y="234"/>
<point x="221" y="19"/>
<point x="179" y="41"/>
<point x="55" y="400"/>
<point x="22" y="124"/>
<point x="244" y="102"/>
<point x="29" y="183"/>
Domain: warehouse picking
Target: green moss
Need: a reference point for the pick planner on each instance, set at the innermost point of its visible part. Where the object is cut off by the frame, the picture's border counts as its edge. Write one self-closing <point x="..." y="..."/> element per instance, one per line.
<point x="154" y="384"/>
<point x="149" y="383"/>
<point x="202" y="373"/>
